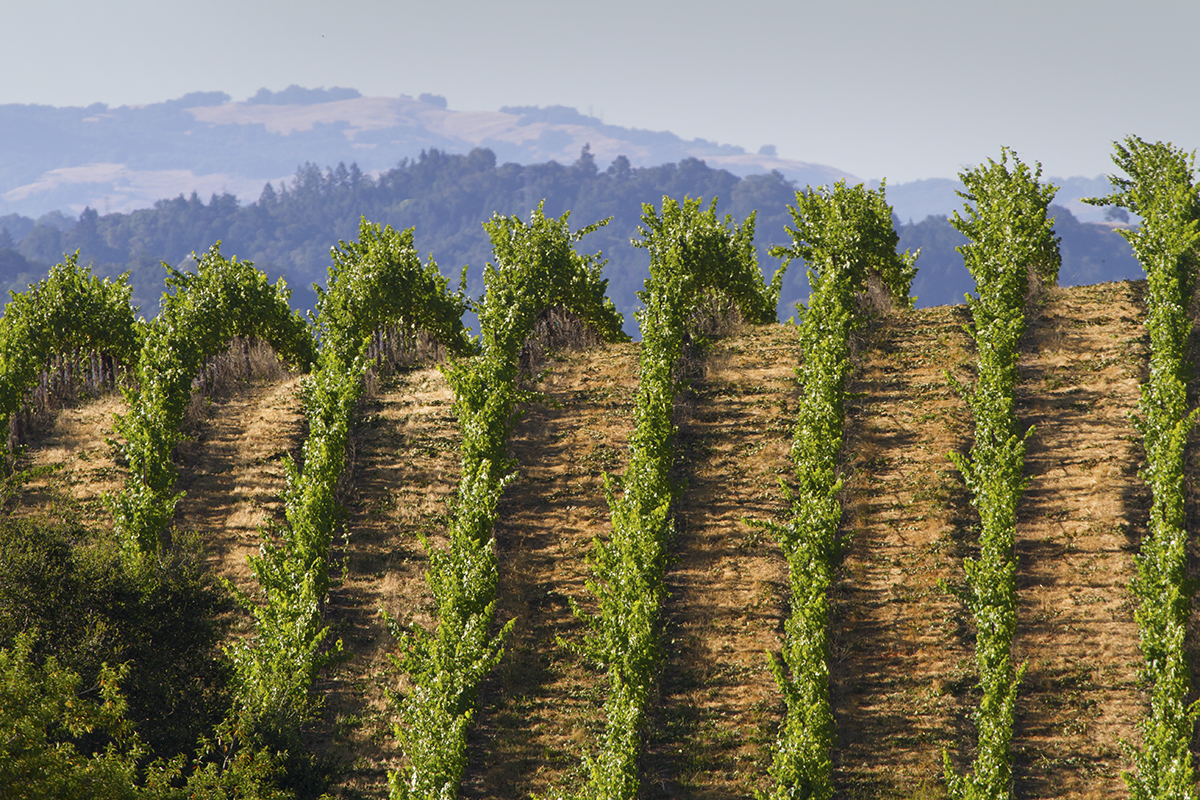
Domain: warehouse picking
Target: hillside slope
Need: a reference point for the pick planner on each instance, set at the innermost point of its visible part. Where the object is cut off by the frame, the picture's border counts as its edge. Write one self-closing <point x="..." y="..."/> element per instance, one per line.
<point x="903" y="667"/>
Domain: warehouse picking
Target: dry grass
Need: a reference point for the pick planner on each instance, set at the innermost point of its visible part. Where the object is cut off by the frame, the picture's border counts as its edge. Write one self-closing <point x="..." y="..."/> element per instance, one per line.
<point x="74" y="445"/>
<point x="540" y="710"/>
<point x="714" y="725"/>
<point x="901" y="665"/>
<point x="1078" y="527"/>
<point x="406" y="468"/>
<point x="232" y="471"/>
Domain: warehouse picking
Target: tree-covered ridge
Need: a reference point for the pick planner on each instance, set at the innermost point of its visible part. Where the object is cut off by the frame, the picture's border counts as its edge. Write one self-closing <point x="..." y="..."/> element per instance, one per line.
<point x="288" y="230"/>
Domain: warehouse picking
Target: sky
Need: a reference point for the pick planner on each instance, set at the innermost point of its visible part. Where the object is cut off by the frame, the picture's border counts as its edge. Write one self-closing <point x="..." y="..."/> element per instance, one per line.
<point x="895" y="90"/>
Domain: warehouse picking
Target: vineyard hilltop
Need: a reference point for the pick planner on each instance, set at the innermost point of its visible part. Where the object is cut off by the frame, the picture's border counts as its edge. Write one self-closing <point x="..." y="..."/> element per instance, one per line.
<point x="902" y="672"/>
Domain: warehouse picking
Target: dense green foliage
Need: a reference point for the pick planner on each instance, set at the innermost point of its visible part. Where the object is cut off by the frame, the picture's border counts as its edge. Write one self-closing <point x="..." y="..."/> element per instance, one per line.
<point x="845" y="235"/>
<point x="70" y="312"/>
<point x="70" y="608"/>
<point x="693" y="255"/>
<point x="1161" y="189"/>
<point x="375" y="282"/>
<point x="1010" y="239"/>
<point x="536" y="268"/>
<point x="42" y="713"/>
<point x="223" y="299"/>
<point x="288" y="231"/>
<point x="1091" y="253"/>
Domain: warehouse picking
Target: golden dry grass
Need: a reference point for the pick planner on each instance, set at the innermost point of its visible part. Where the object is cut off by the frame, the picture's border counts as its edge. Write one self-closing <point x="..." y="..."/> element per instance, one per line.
<point x="540" y="710"/>
<point x="76" y="449"/>
<point x="404" y="472"/>
<point x="1078" y="527"/>
<point x="901" y="666"/>
<point x="715" y="723"/>
<point x="233" y="475"/>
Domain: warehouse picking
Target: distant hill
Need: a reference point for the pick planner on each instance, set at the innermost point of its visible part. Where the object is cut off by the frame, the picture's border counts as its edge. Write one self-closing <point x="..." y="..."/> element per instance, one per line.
<point x="290" y="228"/>
<point x="128" y="157"/>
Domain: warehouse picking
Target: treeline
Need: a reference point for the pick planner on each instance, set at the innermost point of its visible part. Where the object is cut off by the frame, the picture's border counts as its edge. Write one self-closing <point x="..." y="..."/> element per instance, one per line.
<point x="287" y="231"/>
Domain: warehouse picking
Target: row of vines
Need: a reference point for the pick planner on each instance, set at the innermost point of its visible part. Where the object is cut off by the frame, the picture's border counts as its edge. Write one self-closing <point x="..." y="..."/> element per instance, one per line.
<point x="847" y="238"/>
<point x="692" y="256"/>
<point x="375" y="283"/>
<point x="1161" y="190"/>
<point x="536" y="270"/>
<point x="1011" y="240"/>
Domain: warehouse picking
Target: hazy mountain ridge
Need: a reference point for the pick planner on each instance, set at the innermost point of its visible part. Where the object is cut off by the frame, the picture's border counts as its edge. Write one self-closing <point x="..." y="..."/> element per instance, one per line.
<point x="128" y="157"/>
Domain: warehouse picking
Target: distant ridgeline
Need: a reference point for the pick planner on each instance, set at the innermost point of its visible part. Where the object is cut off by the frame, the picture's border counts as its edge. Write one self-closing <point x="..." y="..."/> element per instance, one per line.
<point x="290" y="229"/>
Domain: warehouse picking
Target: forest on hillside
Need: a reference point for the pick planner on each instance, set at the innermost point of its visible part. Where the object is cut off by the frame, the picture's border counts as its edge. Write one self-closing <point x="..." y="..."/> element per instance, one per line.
<point x="288" y="231"/>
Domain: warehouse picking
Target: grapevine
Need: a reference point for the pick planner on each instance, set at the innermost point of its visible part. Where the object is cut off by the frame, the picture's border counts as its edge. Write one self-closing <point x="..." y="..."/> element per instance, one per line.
<point x="692" y="256"/>
<point x="536" y="268"/>
<point x="375" y="282"/>
<point x="1161" y="189"/>
<point x="846" y="237"/>
<point x="1011" y="238"/>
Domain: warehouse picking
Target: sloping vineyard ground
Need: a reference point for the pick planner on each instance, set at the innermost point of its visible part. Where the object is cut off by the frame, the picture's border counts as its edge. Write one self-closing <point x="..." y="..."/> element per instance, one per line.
<point x="903" y="674"/>
<point x="405" y="466"/>
<point x="900" y="664"/>
<point x="77" y="450"/>
<point x="1077" y="531"/>
<point x="728" y="584"/>
<point x="541" y="708"/>
<point x="232" y="471"/>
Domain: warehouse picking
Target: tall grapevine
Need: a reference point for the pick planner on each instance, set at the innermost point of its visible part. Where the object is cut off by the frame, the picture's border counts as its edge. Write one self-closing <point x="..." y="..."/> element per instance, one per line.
<point x="223" y="299"/>
<point x="536" y="268"/>
<point x="845" y="235"/>
<point x="692" y="255"/>
<point x="1010" y="239"/>
<point x="70" y="310"/>
<point x="1161" y="189"/>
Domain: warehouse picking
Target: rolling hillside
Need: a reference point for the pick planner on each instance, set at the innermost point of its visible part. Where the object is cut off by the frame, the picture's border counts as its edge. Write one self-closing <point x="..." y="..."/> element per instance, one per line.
<point x="902" y="668"/>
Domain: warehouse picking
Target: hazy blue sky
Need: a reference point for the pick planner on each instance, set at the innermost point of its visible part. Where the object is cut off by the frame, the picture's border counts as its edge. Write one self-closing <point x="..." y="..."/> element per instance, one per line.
<point x="902" y="90"/>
